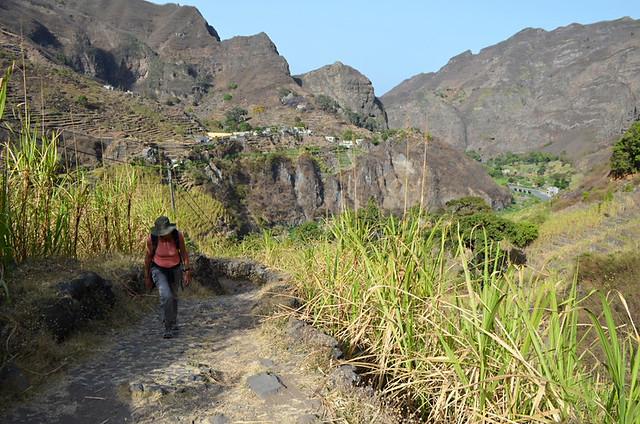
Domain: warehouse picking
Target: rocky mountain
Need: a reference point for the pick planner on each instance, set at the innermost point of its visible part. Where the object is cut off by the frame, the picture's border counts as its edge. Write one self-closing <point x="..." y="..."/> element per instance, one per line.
<point x="574" y="89"/>
<point x="348" y="87"/>
<point x="160" y="51"/>
<point x="170" y="52"/>
<point x="154" y="53"/>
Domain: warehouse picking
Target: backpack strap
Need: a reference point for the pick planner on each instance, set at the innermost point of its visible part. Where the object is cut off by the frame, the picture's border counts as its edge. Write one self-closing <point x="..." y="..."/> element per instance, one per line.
<point x="154" y="241"/>
<point x="176" y="240"/>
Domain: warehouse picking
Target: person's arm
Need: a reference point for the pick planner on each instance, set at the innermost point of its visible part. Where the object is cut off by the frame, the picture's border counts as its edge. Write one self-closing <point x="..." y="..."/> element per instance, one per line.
<point x="148" y="256"/>
<point x="185" y="260"/>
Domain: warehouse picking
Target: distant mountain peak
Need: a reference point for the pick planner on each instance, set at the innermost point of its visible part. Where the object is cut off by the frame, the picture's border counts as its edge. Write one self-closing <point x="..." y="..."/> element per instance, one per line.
<point x="574" y="89"/>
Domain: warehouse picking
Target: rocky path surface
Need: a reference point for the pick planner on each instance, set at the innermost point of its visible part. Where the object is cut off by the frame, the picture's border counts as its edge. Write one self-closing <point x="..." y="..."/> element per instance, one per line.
<point x="222" y="367"/>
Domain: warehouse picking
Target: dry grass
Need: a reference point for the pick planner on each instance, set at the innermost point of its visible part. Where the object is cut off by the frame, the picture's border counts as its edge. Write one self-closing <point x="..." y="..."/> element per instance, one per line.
<point x="605" y="226"/>
<point x="484" y="345"/>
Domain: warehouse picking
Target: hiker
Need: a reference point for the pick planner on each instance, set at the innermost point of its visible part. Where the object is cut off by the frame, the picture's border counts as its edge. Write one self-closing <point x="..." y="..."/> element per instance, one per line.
<point x="165" y="259"/>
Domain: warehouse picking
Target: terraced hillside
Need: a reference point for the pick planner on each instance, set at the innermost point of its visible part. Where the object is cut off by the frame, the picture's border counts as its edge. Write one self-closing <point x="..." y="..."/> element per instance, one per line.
<point x="61" y="100"/>
<point x="602" y="227"/>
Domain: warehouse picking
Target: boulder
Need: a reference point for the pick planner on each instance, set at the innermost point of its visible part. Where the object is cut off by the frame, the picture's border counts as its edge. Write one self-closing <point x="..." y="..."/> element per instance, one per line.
<point x="13" y="381"/>
<point x="204" y="272"/>
<point x="218" y="419"/>
<point x="264" y="384"/>
<point x="78" y="301"/>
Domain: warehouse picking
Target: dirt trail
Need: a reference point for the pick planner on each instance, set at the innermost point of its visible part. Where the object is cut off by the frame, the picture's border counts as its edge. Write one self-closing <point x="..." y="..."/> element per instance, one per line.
<point x="200" y="376"/>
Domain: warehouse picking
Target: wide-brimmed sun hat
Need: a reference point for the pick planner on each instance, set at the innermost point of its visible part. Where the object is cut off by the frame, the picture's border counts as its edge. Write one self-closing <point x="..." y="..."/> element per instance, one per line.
<point x="162" y="226"/>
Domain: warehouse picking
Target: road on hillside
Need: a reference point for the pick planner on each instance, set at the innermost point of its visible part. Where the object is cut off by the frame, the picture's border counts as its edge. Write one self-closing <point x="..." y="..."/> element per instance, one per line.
<point x="542" y="195"/>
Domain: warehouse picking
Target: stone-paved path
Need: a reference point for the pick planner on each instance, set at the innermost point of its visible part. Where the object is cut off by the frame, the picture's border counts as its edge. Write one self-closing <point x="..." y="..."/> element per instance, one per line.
<point x="199" y="376"/>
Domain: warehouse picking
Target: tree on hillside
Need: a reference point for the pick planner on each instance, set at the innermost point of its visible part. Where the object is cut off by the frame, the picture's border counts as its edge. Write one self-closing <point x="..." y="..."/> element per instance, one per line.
<point x="326" y="103"/>
<point x="477" y="224"/>
<point x="234" y="117"/>
<point x="466" y="206"/>
<point x="625" y="158"/>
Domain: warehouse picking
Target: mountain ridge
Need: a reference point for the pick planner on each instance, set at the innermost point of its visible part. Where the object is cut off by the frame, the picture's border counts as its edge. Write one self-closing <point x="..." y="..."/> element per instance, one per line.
<point x="538" y="90"/>
<point x="164" y="52"/>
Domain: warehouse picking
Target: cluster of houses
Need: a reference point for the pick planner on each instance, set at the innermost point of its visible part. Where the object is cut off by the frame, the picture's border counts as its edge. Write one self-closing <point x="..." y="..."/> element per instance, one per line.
<point x="112" y="88"/>
<point x="245" y="135"/>
<point x="211" y="137"/>
<point x="345" y="143"/>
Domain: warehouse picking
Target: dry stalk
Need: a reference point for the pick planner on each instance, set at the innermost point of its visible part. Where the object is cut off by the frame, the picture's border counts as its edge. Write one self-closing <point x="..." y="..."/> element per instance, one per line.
<point x="406" y="181"/>
<point x="75" y="141"/>
<point x="424" y="164"/>
<point x="24" y="73"/>
<point x="355" y="178"/>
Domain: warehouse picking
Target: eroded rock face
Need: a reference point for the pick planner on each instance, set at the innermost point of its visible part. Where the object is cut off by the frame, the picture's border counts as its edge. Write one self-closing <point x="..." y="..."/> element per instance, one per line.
<point x="388" y="175"/>
<point x="287" y="191"/>
<point x="576" y="88"/>
<point x="348" y="87"/>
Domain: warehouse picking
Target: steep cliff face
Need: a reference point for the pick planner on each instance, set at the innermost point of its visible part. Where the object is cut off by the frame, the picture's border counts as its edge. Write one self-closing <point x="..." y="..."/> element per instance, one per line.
<point x="575" y="89"/>
<point x="284" y="191"/>
<point x="388" y="175"/>
<point x="348" y="87"/>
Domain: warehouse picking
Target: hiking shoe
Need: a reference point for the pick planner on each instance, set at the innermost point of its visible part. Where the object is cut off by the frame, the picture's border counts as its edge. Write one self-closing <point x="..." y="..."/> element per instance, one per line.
<point x="167" y="334"/>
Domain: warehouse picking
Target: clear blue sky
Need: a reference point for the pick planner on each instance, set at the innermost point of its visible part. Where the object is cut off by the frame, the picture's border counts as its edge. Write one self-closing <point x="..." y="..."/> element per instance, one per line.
<point x="392" y="40"/>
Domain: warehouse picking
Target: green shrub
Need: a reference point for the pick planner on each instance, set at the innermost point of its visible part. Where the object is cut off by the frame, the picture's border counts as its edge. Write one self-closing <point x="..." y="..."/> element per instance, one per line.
<point x="521" y="233"/>
<point x="83" y="101"/>
<point x="326" y="103"/>
<point x="625" y="157"/>
<point x="608" y="196"/>
<point x="474" y="155"/>
<point x="478" y="222"/>
<point x="347" y="135"/>
<point x="244" y="126"/>
<point x="307" y="232"/>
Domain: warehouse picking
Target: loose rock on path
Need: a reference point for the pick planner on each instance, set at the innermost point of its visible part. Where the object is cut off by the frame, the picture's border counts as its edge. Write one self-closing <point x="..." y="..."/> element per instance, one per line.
<point x="222" y="367"/>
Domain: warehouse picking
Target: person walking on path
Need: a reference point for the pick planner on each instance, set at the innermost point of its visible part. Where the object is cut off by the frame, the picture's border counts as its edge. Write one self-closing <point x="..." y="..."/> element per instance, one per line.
<point x="165" y="259"/>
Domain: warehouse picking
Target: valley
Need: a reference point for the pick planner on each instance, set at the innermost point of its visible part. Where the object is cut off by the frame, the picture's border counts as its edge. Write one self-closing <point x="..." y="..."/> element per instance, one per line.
<point x="403" y="228"/>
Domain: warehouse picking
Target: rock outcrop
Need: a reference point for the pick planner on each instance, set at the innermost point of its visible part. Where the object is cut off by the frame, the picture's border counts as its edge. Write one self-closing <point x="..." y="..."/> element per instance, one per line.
<point x="576" y="89"/>
<point x="281" y="190"/>
<point x="78" y="302"/>
<point x="348" y="87"/>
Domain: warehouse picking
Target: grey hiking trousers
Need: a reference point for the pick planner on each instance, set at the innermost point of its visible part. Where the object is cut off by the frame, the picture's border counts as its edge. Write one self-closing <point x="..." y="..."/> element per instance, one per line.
<point x="167" y="280"/>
